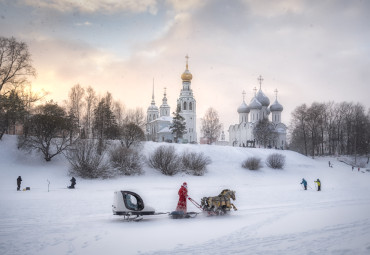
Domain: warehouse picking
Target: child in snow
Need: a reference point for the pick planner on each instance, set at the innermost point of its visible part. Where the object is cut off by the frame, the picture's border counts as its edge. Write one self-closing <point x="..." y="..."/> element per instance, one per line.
<point x="318" y="184"/>
<point x="304" y="182"/>
<point x="183" y="194"/>
<point x="19" y="180"/>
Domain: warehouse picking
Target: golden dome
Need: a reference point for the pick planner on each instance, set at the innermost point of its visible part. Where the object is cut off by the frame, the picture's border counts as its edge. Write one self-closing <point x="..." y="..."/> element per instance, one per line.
<point x="186" y="76"/>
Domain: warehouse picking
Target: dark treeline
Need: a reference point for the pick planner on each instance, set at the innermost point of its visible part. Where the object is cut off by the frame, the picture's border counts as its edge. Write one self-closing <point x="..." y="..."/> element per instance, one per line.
<point x="330" y="129"/>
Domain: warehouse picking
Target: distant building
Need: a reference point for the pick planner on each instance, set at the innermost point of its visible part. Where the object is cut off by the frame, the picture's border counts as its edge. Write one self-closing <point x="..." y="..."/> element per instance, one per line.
<point x="159" y="120"/>
<point x="241" y="134"/>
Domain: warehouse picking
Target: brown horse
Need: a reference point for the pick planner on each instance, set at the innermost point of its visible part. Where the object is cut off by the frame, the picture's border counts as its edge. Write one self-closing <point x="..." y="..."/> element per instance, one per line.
<point x="220" y="204"/>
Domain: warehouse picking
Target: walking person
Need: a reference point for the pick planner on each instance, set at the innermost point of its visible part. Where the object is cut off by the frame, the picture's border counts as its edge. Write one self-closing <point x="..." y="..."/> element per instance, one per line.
<point x="19" y="181"/>
<point x="304" y="182"/>
<point x="318" y="184"/>
<point x="183" y="194"/>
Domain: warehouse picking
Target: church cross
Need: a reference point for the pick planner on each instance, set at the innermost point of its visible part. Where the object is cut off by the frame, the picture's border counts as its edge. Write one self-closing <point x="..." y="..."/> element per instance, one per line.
<point x="243" y="95"/>
<point x="260" y="79"/>
<point x="255" y="91"/>
<point x="276" y="92"/>
<point x="165" y="91"/>
<point x="187" y="59"/>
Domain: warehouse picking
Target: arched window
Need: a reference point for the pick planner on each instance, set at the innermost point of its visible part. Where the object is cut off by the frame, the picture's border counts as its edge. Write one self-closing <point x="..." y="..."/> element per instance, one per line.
<point x="190" y="106"/>
<point x="184" y="105"/>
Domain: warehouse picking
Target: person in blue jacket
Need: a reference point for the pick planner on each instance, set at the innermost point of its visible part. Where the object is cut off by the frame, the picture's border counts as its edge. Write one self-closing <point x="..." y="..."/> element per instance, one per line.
<point x="304" y="182"/>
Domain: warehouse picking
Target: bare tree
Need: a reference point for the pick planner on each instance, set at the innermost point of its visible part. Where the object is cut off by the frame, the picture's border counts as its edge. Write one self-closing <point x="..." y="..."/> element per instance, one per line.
<point x="119" y="113"/>
<point x="47" y="131"/>
<point x="76" y="103"/>
<point x="211" y="126"/>
<point x="299" y="129"/>
<point x="90" y="104"/>
<point x="15" y="62"/>
<point x="131" y="134"/>
<point x="136" y="116"/>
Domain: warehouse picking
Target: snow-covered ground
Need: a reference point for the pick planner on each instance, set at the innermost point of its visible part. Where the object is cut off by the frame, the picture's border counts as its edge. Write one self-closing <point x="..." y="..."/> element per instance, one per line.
<point x="275" y="216"/>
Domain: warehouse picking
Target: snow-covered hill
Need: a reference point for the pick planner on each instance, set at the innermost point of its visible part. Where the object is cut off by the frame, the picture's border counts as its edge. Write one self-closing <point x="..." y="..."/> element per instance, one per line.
<point x="275" y="216"/>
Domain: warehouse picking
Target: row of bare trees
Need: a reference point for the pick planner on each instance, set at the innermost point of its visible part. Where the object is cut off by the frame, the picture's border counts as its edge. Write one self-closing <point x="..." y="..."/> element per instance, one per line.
<point x="330" y="129"/>
<point x="51" y="128"/>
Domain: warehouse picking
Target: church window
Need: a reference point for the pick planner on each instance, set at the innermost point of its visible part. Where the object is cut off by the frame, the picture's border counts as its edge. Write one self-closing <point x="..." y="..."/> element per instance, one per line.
<point x="184" y="105"/>
<point x="190" y="106"/>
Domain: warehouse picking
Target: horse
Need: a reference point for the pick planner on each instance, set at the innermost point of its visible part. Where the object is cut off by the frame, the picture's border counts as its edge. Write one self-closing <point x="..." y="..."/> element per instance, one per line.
<point x="220" y="204"/>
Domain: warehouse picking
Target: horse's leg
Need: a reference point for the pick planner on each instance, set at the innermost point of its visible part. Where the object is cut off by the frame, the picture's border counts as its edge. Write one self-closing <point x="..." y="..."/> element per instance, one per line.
<point x="234" y="207"/>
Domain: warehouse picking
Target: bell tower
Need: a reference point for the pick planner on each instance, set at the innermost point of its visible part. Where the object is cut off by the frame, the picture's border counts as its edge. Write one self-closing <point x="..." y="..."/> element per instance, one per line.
<point x="188" y="104"/>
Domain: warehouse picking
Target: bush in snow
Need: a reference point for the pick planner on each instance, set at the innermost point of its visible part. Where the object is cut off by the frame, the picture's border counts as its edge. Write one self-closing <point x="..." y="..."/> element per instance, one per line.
<point x="126" y="161"/>
<point x="276" y="161"/>
<point x="195" y="163"/>
<point x="252" y="163"/>
<point x="86" y="161"/>
<point x="165" y="159"/>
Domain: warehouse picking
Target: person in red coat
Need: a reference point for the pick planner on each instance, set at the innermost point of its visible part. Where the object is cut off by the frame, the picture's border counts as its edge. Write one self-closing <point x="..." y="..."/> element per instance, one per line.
<point x="183" y="195"/>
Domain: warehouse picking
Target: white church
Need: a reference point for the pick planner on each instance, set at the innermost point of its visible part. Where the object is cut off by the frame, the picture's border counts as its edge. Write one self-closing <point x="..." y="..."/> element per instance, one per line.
<point x="159" y="120"/>
<point x="241" y="134"/>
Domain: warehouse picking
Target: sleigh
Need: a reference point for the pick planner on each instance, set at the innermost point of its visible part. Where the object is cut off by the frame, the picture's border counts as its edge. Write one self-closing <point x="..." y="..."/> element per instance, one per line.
<point x="131" y="206"/>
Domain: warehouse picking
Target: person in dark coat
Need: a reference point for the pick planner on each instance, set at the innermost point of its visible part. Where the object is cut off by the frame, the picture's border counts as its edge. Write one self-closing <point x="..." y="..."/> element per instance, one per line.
<point x="19" y="180"/>
<point x="304" y="182"/>
<point x="73" y="183"/>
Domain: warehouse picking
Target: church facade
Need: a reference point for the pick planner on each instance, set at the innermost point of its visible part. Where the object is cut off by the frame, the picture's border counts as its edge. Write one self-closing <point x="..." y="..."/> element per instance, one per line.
<point x="241" y="134"/>
<point x="159" y="119"/>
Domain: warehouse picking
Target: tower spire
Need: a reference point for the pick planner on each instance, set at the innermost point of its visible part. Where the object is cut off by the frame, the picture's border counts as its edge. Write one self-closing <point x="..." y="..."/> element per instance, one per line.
<point x="153" y="102"/>
<point x="260" y="79"/>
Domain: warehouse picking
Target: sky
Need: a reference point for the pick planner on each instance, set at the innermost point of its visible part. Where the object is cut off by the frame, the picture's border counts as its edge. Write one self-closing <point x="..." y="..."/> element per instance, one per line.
<point x="308" y="50"/>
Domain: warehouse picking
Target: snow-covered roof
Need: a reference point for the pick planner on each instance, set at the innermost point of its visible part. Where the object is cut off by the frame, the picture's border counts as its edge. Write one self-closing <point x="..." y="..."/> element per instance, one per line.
<point x="165" y="130"/>
<point x="163" y="119"/>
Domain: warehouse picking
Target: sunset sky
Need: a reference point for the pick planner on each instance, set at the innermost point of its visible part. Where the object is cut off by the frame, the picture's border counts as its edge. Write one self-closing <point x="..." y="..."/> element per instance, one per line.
<point x="307" y="50"/>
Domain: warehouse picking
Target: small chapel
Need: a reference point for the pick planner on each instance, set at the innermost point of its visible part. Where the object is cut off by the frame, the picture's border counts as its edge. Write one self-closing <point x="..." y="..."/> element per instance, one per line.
<point x="241" y="134"/>
<point x="159" y="120"/>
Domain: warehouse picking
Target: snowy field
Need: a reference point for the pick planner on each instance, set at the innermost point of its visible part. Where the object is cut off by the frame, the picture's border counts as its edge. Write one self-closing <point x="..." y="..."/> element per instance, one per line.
<point x="275" y="216"/>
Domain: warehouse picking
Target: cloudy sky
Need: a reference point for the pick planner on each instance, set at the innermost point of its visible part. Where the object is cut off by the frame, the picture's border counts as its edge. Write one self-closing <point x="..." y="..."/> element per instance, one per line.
<point x="307" y="50"/>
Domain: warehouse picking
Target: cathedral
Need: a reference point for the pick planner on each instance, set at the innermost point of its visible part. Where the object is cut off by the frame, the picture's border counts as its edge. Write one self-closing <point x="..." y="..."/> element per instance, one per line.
<point x="159" y="120"/>
<point x="241" y="134"/>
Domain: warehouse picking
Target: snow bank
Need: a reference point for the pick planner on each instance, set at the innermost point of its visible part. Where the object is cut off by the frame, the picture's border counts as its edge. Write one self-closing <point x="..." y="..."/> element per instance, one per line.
<point x="275" y="215"/>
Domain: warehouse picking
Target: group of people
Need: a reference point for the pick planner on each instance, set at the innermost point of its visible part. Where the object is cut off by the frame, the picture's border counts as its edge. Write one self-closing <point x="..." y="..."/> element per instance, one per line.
<point x="19" y="182"/>
<point x="318" y="182"/>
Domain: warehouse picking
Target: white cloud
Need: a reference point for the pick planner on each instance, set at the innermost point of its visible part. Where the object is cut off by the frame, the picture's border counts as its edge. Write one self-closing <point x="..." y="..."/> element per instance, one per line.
<point x="91" y="6"/>
<point x="86" y="23"/>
